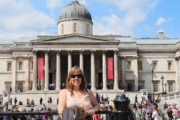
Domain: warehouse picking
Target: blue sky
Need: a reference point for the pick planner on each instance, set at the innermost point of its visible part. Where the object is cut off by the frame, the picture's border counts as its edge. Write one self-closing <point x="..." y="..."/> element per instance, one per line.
<point x="136" y="18"/>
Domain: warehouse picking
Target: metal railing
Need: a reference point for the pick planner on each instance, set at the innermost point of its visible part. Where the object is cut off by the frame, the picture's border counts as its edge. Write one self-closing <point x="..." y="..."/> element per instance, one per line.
<point x="114" y="114"/>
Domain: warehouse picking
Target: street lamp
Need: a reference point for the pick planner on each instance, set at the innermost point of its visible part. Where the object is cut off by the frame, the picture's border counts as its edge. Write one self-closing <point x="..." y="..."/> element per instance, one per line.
<point x="165" y="87"/>
<point x="152" y="65"/>
<point x="162" y="80"/>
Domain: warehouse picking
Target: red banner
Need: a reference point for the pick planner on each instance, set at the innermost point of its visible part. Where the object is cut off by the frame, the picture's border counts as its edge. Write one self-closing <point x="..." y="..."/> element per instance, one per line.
<point x="110" y="68"/>
<point x="40" y="68"/>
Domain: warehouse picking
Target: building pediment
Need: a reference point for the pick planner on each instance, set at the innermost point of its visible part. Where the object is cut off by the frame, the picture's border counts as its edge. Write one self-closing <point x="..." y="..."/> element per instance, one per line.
<point x="73" y="38"/>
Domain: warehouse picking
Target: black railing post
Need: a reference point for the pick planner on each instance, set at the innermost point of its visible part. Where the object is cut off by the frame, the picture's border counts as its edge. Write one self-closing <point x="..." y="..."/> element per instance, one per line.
<point x="163" y="117"/>
<point x="122" y="111"/>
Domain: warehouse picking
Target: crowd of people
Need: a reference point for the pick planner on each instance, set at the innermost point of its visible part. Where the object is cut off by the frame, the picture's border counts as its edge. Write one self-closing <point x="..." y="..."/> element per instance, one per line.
<point x="15" y="108"/>
<point x="75" y="100"/>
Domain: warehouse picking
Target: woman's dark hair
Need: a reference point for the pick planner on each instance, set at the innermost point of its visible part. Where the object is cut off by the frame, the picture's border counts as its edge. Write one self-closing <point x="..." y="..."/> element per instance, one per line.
<point x="69" y="85"/>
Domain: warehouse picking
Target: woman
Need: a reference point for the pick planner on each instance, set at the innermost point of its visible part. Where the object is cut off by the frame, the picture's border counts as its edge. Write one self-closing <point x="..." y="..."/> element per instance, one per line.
<point x="175" y="111"/>
<point x="15" y="117"/>
<point x="76" y="93"/>
<point x="155" y="112"/>
<point x="44" y="117"/>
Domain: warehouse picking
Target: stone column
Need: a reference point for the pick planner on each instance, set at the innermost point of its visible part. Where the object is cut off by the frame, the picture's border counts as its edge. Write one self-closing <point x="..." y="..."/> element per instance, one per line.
<point x="177" y="74"/>
<point x="14" y="89"/>
<point x="116" y="84"/>
<point x="46" y="86"/>
<point x="34" y="71"/>
<point x="58" y="71"/>
<point x="27" y="68"/>
<point x="123" y="62"/>
<point x="81" y="60"/>
<point x="104" y="70"/>
<point x="92" y="71"/>
<point x="135" y="63"/>
<point x="69" y="60"/>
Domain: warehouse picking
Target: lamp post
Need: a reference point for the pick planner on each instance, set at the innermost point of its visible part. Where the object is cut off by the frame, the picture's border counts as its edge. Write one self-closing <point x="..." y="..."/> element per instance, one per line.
<point x="152" y="82"/>
<point x="165" y="87"/>
<point x="162" y="80"/>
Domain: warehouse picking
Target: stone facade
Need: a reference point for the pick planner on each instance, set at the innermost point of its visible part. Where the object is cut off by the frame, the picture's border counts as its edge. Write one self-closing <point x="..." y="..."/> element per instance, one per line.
<point x="133" y="60"/>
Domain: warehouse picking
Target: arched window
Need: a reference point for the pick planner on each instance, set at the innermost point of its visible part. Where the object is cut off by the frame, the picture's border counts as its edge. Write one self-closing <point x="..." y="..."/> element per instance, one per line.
<point x="87" y="29"/>
<point x="75" y="28"/>
<point x="62" y="29"/>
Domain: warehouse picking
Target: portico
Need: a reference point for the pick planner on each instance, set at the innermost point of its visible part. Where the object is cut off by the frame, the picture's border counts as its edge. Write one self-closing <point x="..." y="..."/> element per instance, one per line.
<point x="68" y="55"/>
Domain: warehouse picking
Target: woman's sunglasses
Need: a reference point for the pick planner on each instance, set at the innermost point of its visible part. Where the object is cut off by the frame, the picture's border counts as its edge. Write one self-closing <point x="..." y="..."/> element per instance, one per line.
<point x="78" y="76"/>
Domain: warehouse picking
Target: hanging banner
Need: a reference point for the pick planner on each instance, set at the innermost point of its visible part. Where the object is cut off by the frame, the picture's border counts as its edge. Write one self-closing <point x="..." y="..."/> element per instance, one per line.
<point x="40" y="68"/>
<point x="110" y="68"/>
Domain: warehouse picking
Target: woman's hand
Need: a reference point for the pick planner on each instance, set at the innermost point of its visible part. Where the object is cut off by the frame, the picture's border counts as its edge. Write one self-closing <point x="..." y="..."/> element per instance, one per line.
<point x="90" y="112"/>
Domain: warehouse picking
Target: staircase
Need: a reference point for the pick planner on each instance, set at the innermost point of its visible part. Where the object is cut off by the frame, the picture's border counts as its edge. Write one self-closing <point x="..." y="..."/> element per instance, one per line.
<point x="171" y="98"/>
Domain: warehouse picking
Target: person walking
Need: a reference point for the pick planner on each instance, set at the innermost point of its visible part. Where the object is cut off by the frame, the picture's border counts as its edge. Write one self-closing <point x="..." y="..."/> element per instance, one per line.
<point x="170" y="113"/>
<point x="57" y="101"/>
<point x="41" y="101"/>
<point x="155" y="112"/>
<point x="15" y="100"/>
<point x="1" y="110"/>
<point x="136" y="101"/>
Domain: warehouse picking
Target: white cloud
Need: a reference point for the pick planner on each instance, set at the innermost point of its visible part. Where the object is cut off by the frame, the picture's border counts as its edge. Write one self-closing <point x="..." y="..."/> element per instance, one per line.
<point x="20" y="18"/>
<point x="51" y="4"/>
<point x="111" y="25"/>
<point x="135" y="13"/>
<point x="162" y="20"/>
<point x="84" y="2"/>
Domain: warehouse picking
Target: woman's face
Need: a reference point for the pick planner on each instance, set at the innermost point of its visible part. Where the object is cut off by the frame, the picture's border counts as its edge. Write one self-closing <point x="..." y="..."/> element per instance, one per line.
<point x="76" y="78"/>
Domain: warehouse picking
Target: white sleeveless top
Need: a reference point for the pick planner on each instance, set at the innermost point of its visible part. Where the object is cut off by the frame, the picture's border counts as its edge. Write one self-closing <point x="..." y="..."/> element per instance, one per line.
<point x="74" y="100"/>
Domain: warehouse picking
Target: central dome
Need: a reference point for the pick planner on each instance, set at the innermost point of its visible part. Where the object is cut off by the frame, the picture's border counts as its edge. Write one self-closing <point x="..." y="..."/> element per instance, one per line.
<point x="75" y="11"/>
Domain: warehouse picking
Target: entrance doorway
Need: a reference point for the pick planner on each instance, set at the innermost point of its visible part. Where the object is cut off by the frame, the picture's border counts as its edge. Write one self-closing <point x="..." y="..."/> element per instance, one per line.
<point x="129" y="86"/>
<point x="50" y="78"/>
<point x="51" y="84"/>
<point x="100" y="82"/>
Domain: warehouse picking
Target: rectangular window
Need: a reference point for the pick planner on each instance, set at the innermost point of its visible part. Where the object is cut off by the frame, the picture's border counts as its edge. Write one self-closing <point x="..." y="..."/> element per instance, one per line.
<point x="140" y="86"/>
<point x="30" y="86"/>
<point x="169" y="65"/>
<point x="170" y="87"/>
<point x="154" y="65"/>
<point x="9" y="66"/>
<point x="75" y="27"/>
<point x="155" y="87"/>
<point x="20" y="87"/>
<point x="20" y="65"/>
<point x="8" y="86"/>
<point x="62" y="29"/>
<point x="129" y="64"/>
<point x="140" y="65"/>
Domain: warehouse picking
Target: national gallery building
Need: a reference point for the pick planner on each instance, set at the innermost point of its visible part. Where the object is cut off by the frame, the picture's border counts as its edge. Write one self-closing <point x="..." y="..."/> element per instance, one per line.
<point x="111" y="63"/>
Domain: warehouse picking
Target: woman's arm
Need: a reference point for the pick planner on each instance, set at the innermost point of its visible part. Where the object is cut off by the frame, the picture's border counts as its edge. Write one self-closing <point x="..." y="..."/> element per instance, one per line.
<point x="153" y="115"/>
<point x="62" y="100"/>
<point x="94" y="102"/>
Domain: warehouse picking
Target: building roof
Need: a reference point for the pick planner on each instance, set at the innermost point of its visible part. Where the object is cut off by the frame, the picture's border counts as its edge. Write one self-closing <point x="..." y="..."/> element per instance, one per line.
<point x="75" y="11"/>
<point x="161" y="35"/>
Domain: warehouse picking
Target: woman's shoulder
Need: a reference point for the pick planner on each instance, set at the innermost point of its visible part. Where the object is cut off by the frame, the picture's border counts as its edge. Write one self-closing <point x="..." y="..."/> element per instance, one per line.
<point x="63" y="91"/>
<point x="88" y="91"/>
<point x="154" y="112"/>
